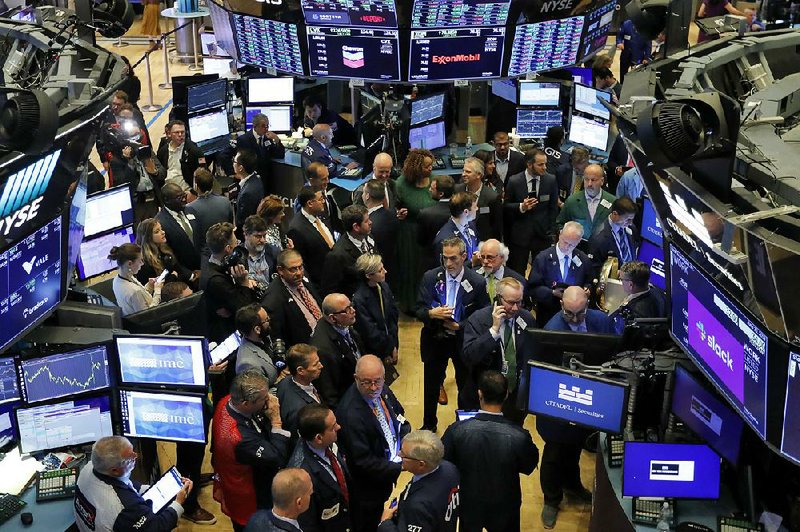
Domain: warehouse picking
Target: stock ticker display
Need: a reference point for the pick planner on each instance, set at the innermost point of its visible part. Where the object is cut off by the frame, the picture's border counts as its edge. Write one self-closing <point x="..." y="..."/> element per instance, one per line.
<point x="268" y="43"/>
<point x="9" y="388"/>
<point x="464" y="53"/>
<point x="64" y="374"/>
<point x="363" y="13"/>
<point x="354" y="53"/>
<point x="545" y="45"/>
<point x="454" y="13"/>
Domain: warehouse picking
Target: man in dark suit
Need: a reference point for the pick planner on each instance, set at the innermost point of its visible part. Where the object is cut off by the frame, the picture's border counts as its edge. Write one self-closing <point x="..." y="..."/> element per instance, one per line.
<point x="494" y="338"/>
<point x="372" y="428"/>
<point x="208" y="209"/>
<point x="591" y="206"/>
<point x="180" y="156"/>
<point x="556" y="268"/>
<point x="563" y="442"/>
<point x="641" y="300"/>
<point x="530" y="210"/>
<point x="317" y="176"/>
<point x="615" y="237"/>
<point x="319" y="455"/>
<point x="385" y="222"/>
<point x="251" y="189"/>
<point x="178" y="226"/>
<point x="448" y="295"/>
<point x="489" y="218"/>
<point x="311" y="237"/>
<point x="382" y="167"/>
<point x="293" y="303"/>
<point x="340" y="274"/>
<point x="291" y="497"/>
<point x="431" y="219"/>
<point x="315" y="113"/>
<point x="339" y="346"/>
<point x="570" y="173"/>
<point x="463" y="209"/>
<point x="298" y="390"/>
<point x="493" y="255"/>
<point x="508" y="162"/>
<point x="263" y="142"/>
<point x="490" y="452"/>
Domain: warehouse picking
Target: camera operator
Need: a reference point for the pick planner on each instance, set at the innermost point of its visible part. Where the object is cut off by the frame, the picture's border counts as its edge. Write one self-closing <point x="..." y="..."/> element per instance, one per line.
<point x="130" y="160"/>
<point x="258" y="350"/>
<point x="261" y="257"/>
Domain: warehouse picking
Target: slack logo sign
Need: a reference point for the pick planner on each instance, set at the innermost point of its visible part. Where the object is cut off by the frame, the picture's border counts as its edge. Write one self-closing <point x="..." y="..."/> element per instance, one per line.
<point x="711" y="340"/>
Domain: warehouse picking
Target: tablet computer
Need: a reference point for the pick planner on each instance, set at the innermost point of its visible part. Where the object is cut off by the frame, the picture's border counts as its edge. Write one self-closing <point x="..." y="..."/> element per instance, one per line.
<point x="164" y="490"/>
<point x="226" y="348"/>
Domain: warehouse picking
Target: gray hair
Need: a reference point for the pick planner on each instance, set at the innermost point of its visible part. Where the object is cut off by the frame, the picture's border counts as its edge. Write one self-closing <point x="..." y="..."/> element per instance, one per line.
<point x="573" y="226"/>
<point x="368" y="263"/>
<point x="425" y="446"/>
<point x="476" y="165"/>
<point x="247" y="385"/>
<point x="107" y="453"/>
<point x="259" y="119"/>
<point x="329" y="303"/>
<point x="503" y="249"/>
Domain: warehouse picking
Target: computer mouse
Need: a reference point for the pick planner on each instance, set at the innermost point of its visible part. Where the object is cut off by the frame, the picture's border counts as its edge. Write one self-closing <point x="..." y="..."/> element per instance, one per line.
<point x="26" y="518"/>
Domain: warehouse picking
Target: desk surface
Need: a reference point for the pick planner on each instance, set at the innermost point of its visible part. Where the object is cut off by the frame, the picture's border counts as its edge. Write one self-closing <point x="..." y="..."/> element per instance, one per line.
<point x="48" y="516"/>
<point x="171" y="12"/>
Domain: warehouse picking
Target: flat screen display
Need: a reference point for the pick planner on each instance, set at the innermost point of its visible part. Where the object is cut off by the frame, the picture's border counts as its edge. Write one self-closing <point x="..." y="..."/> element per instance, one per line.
<point x="586" y="400"/>
<point x="581" y="75"/>
<point x="588" y="132"/>
<point x="108" y="209"/>
<point x="587" y="100"/>
<point x="670" y="470"/>
<point x="77" y="219"/>
<point x="62" y="424"/>
<point x="545" y="45"/>
<point x="30" y="281"/>
<point x="720" y="339"/>
<point x="534" y="123"/>
<point x="790" y="438"/>
<point x="598" y="23"/>
<point x="270" y="90"/>
<point x="340" y="13"/>
<point x="8" y="423"/>
<point x="539" y="94"/>
<point x="427" y="108"/>
<point x="461" y="53"/>
<point x="354" y="53"/>
<point x="9" y="386"/>
<point x="209" y="126"/>
<point x="459" y="13"/>
<point x="280" y="116"/>
<point x="162" y="360"/>
<point x="204" y="96"/>
<point x="162" y="416"/>
<point x="462" y="415"/>
<point x="707" y="416"/>
<point x="427" y="137"/>
<point x="268" y="43"/>
<point x="64" y="374"/>
<point x="651" y="227"/>
<point x="505" y="88"/>
<point x="93" y="256"/>
<point x="653" y="256"/>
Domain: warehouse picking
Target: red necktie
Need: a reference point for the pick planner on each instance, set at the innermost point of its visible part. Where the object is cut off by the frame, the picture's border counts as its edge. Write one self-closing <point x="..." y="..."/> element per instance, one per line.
<point x="337" y="471"/>
<point x="309" y="302"/>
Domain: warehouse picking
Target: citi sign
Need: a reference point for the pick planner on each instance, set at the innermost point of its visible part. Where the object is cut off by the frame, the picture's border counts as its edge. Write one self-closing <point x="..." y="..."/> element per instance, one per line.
<point x="711" y="341"/>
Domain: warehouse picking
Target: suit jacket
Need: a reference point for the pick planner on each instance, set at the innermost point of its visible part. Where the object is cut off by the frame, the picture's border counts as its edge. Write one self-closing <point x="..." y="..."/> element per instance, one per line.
<point x="516" y="164"/>
<point x="546" y="273"/>
<point x="287" y="321"/>
<point x="327" y="499"/>
<point x="537" y="223"/>
<point x="315" y="152"/>
<point x="391" y="186"/>
<point x="575" y="209"/>
<point x="482" y="352"/>
<point x="429" y="221"/>
<point x="365" y="446"/>
<point x="340" y="274"/>
<point x="189" y="159"/>
<point x="338" y="361"/>
<point x="603" y="244"/>
<point x="489" y="220"/>
<point x="208" y="210"/>
<point x="384" y="232"/>
<point x="221" y="293"/>
<point x="271" y="150"/>
<point x="265" y="521"/>
<point x="250" y="195"/>
<point x="309" y="242"/>
<point x="564" y="178"/>
<point x="292" y="399"/>
<point x="449" y="230"/>
<point x="378" y="330"/>
<point x="182" y="244"/>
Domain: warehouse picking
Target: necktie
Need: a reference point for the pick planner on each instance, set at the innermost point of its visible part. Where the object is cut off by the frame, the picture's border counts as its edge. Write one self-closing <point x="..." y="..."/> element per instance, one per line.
<point x="351" y="344"/>
<point x="592" y="205"/>
<point x="578" y="184"/>
<point x="451" y="294"/>
<point x="491" y="284"/>
<point x="339" y="474"/>
<point x="565" y="271"/>
<point x="309" y="302"/>
<point x="380" y="300"/>
<point x="316" y="394"/>
<point x="321" y="229"/>
<point x="187" y="227"/>
<point x="510" y="355"/>
<point x="261" y="141"/>
<point x="364" y="247"/>
<point x="624" y="250"/>
<point x="380" y="413"/>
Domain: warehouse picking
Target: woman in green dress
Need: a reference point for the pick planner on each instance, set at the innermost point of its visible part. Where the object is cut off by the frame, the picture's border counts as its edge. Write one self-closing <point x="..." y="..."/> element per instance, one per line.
<point x="413" y="194"/>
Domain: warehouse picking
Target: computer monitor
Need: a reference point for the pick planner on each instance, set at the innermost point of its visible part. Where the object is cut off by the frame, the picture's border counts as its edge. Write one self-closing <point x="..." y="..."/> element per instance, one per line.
<point x="577" y="398"/>
<point x="62" y="424"/>
<point x="187" y="312"/>
<point x="369" y="102"/>
<point x="8" y="423"/>
<point x="9" y="386"/>
<point x="651" y="227"/>
<point x="30" y="281"/>
<point x="270" y="90"/>
<point x="598" y="23"/>
<point x="707" y="416"/>
<point x="505" y="89"/>
<point x="790" y="435"/>
<point x="280" y="116"/>
<point x="77" y="219"/>
<point x="463" y="14"/>
<point x="220" y="66"/>
<point x="162" y="416"/>
<point x="721" y="339"/>
<point x="26" y="14"/>
<point x="428" y="137"/>
<point x="587" y="100"/>
<point x="209" y="126"/>
<point x="64" y="374"/>
<point x="427" y="108"/>
<point x="181" y="84"/>
<point x="366" y="13"/>
<point x="539" y="94"/>
<point x="268" y="43"/>
<point x="653" y="256"/>
<point x="534" y="123"/>
<point x="212" y="95"/>
<point x="559" y="347"/>
<point x="163" y="361"/>
<point x="93" y="256"/>
<point x="458" y="53"/>
<point x="354" y="53"/>
<point x="588" y="132"/>
<point x="108" y="209"/>
<point x="581" y="75"/>
<point x="682" y="471"/>
<point x="545" y="45"/>
<point x="462" y="415"/>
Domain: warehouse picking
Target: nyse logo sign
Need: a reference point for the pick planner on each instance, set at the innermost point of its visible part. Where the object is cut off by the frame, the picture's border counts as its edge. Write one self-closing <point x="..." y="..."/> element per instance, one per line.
<point x="573" y="394"/>
<point x="27" y="184"/>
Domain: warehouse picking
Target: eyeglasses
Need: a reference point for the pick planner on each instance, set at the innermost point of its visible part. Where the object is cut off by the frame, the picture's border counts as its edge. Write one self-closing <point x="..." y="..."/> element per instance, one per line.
<point x="346" y="309"/>
<point x="367" y="383"/>
<point x="294" y="269"/>
<point x="516" y="303"/>
<point x="129" y="460"/>
<point x="488" y="257"/>
<point x="570" y="315"/>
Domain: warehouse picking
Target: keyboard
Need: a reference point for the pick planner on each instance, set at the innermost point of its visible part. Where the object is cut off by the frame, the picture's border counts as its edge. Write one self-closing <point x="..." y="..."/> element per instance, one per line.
<point x="731" y="524"/>
<point x="457" y="162"/>
<point x="351" y="173"/>
<point x="438" y="164"/>
<point x="647" y="510"/>
<point x="9" y="505"/>
<point x="56" y="484"/>
<point x="615" y="445"/>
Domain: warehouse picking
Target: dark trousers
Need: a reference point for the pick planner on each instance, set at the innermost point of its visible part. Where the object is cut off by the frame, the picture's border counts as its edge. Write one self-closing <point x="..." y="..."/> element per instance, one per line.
<point x="560" y="470"/>
<point x="189" y="461"/>
<point x="435" y="354"/>
<point x="518" y="255"/>
<point x="365" y="514"/>
<point x="625" y="64"/>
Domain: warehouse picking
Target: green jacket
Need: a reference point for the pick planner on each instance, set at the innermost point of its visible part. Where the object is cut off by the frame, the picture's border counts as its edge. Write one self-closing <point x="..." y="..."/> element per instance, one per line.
<point x="575" y="209"/>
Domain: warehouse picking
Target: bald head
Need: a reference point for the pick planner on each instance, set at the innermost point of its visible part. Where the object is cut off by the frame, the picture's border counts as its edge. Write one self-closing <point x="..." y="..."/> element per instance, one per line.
<point x="291" y="492"/>
<point x="369" y="364"/>
<point x="382" y="166"/>
<point x="574" y="304"/>
<point x="323" y="133"/>
<point x="369" y="377"/>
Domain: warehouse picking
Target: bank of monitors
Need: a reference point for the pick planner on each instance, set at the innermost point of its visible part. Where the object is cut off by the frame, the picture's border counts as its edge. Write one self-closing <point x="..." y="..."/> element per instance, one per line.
<point x="459" y="13"/>
<point x="680" y="471"/>
<point x="270" y="90"/>
<point x="62" y="424"/>
<point x="428" y="137"/>
<point x="587" y="400"/>
<point x="539" y="94"/>
<point x="365" y="13"/>
<point x="108" y="209"/>
<point x="534" y="123"/>
<point x="587" y="100"/>
<point x="459" y="53"/>
<point x="354" y="53"/>
<point x="790" y="436"/>
<point x="268" y="43"/>
<point x="653" y="256"/>
<point x="204" y="96"/>
<point x="545" y="45"/>
<point x="280" y="116"/>
<point x="170" y="362"/>
<point x="209" y="126"/>
<point x="162" y="416"/>
<point x="587" y="132"/>
<point x="93" y="255"/>
<point x="64" y="374"/>
<point x="9" y="387"/>
<point x="427" y="108"/>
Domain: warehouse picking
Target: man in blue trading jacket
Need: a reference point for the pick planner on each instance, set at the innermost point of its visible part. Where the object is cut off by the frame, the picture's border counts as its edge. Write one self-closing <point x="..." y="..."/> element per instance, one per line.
<point x="448" y="295"/>
<point x="556" y="268"/>
<point x="107" y="499"/>
<point x="615" y="237"/>
<point x="430" y="501"/>
<point x="636" y="49"/>
<point x="560" y="468"/>
<point x="463" y="209"/>
<point x="318" y="150"/>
